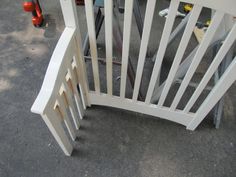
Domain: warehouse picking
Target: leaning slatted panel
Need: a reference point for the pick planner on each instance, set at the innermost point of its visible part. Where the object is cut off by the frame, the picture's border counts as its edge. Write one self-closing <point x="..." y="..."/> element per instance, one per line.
<point x="92" y="41"/>
<point x="126" y="45"/>
<point x="162" y="48"/>
<point x="213" y="67"/>
<point x="227" y="79"/>
<point x="143" y="47"/>
<point x="54" y="124"/>
<point x="180" y="52"/>
<point x="108" y="33"/>
<point x="198" y="56"/>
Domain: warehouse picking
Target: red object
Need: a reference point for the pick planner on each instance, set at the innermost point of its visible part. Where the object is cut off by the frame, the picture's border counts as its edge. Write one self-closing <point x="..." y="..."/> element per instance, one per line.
<point x="34" y="7"/>
<point x="79" y="2"/>
<point x="28" y="6"/>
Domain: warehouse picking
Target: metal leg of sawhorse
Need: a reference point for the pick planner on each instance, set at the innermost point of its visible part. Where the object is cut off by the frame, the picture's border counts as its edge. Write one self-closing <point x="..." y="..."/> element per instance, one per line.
<point x="218" y="109"/>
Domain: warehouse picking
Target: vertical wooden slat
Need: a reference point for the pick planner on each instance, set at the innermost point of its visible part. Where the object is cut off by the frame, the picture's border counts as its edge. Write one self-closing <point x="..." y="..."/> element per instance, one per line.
<point x="61" y="108"/>
<point x="54" y="124"/>
<point x="198" y="56"/>
<point x="227" y="79"/>
<point x="108" y="7"/>
<point x="69" y="12"/>
<point x="70" y="79"/>
<point x="82" y="74"/>
<point x="66" y="94"/>
<point x="143" y="47"/>
<point x="162" y="48"/>
<point x="213" y="67"/>
<point x="180" y="52"/>
<point x="126" y="44"/>
<point x="78" y="78"/>
<point x="93" y="43"/>
<point x="71" y="83"/>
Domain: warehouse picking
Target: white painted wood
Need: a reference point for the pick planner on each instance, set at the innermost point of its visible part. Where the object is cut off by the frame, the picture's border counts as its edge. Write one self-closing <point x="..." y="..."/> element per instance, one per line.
<point x="76" y="73"/>
<point x="70" y="79"/>
<point x="108" y="7"/>
<point x="63" y="113"/>
<point x="92" y="42"/>
<point x="126" y="45"/>
<point x="162" y="48"/>
<point x="66" y="93"/>
<point x="69" y="12"/>
<point x="143" y="46"/>
<point x="217" y="92"/>
<point x="213" y="67"/>
<point x="54" y="125"/>
<point x="198" y="56"/>
<point x="141" y="107"/>
<point x="71" y="83"/>
<point x="180" y="52"/>
<point x="52" y="76"/>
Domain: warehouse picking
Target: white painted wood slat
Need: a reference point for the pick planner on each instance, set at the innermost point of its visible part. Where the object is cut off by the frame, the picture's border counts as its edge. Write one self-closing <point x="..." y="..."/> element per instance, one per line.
<point x="61" y="108"/>
<point x="162" y="48"/>
<point x="216" y="21"/>
<point x="93" y="42"/>
<point x="108" y="7"/>
<point x="212" y="68"/>
<point x="54" y="125"/>
<point x="78" y="78"/>
<point x="143" y="47"/>
<point x="180" y="52"/>
<point x="126" y="44"/>
<point x="66" y="93"/>
<point x="70" y="79"/>
<point x="217" y="92"/>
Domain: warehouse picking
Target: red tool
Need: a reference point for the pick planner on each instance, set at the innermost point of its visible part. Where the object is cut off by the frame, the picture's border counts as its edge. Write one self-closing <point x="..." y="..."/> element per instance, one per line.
<point x="34" y="7"/>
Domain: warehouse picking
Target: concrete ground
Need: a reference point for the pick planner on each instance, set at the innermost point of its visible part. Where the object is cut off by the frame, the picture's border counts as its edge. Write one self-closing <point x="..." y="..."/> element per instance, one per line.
<point x="111" y="142"/>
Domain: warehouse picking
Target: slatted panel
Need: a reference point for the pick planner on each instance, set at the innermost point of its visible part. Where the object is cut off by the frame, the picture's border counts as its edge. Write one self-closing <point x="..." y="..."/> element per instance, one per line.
<point x="143" y="47"/>
<point x="216" y="21"/>
<point x="92" y="41"/>
<point x="108" y="7"/>
<point x="162" y="48"/>
<point x="126" y="44"/>
<point x="180" y="52"/>
<point x="214" y="65"/>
